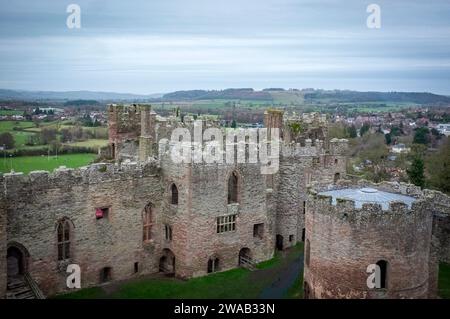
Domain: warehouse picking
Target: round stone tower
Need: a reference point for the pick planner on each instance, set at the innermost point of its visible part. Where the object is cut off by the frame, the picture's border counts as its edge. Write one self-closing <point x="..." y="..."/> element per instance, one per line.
<point x="366" y="242"/>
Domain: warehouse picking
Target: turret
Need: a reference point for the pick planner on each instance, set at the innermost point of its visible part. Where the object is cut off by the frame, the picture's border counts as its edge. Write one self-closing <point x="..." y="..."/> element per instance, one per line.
<point x="353" y="230"/>
<point x="147" y="137"/>
<point x="273" y="119"/>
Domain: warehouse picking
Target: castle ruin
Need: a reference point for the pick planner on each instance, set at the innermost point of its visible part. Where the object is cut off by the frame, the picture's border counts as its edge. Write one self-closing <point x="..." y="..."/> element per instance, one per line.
<point x="141" y="213"/>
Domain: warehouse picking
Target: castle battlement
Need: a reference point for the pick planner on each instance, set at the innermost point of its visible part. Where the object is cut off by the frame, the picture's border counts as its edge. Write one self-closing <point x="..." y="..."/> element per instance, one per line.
<point x="394" y="187"/>
<point x="367" y="198"/>
<point x="65" y="177"/>
<point x="167" y="147"/>
<point x="315" y="147"/>
<point x="310" y="148"/>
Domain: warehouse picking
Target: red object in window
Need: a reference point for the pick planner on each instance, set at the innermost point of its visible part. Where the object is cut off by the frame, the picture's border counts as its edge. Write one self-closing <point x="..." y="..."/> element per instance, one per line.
<point x="99" y="213"/>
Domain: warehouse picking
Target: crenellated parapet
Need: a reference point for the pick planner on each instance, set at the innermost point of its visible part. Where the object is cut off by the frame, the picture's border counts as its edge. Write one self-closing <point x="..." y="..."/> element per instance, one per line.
<point x="394" y="187"/>
<point x="309" y="148"/>
<point x="368" y="213"/>
<point x="338" y="147"/>
<point x="123" y="121"/>
<point x="64" y="178"/>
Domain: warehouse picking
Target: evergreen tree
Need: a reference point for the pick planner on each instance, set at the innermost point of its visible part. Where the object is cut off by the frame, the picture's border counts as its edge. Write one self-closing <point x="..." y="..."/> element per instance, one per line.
<point x="364" y="129"/>
<point x="352" y="132"/>
<point x="388" y="139"/>
<point x="421" y="136"/>
<point x="416" y="172"/>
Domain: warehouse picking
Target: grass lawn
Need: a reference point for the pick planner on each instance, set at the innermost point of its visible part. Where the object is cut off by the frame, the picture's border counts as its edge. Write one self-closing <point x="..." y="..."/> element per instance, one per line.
<point x="444" y="281"/>
<point x="236" y="283"/>
<point x="27" y="164"/>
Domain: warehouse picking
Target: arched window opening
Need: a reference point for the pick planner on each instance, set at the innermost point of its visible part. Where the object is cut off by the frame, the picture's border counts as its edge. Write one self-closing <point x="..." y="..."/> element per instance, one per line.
<point x="337" y="176"/>
<point x="105" y="274"/>
<point x="63" y="240"/>
<point x="148" y="222"/>
<point x="174" y="191"/>
<point x="168" y="232"/>
<point x="383" y="273"/>
<point x="233" y="188"/>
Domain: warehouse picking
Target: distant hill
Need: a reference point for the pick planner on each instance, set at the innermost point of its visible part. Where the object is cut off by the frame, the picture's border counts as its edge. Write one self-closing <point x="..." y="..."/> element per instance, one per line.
<point x="354" y="96"/>
<point x="72" y="95"/>
<point x="81" y="103"/>
<point x="231" y="94"/>
<point x="278" y="96"/>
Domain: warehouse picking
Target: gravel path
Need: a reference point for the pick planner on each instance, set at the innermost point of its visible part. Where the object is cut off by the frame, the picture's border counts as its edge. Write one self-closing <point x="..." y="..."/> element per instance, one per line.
<point x="283" y="279"/>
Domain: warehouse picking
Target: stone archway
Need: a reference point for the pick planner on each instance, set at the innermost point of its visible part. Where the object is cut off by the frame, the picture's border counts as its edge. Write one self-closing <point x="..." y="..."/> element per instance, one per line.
<point x="279" y="242"/>
<point x="17" y="260"/>
<point x="245" y="256"/>
<point x="167" y="262"/>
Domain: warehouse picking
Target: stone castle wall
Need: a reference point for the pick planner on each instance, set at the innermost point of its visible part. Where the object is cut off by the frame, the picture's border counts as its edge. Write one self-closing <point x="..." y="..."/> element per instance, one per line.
<point x="36" y="203"/>
<point x="117" y="242"/>
<point x="300" y="166"/>
<point x="3" y="241"/>
<point x="209" y="189"/>
<point x="32" y="205"/>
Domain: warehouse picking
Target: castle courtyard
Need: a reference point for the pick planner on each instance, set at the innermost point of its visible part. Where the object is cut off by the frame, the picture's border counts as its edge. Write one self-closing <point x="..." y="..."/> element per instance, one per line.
<point x="279" y="277"/>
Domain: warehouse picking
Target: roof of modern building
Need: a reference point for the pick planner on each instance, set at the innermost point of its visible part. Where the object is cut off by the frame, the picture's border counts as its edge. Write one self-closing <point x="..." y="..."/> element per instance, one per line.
<point x="368" y="195"/>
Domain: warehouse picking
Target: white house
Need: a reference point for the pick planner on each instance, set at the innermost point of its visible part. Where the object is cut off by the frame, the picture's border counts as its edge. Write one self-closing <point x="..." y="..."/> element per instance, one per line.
<point x="444" y="129"/>
<point x="400" y="148"/>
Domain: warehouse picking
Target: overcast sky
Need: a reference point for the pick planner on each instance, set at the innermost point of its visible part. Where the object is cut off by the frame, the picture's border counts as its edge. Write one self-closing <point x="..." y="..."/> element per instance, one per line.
<point x="150" y="46"/>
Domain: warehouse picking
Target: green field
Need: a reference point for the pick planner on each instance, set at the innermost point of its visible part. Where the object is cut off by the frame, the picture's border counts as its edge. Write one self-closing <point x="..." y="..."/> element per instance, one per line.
<point x="23" y="130"/>
<point x="20" y="137"/>
<point x="27" y="164"/>
<point x="236" y="283"/>
<point x="94" y="143"/>
<point x="8" y="126"/>
<point x="287" y="97"/>
<point x="10" y="112"/>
